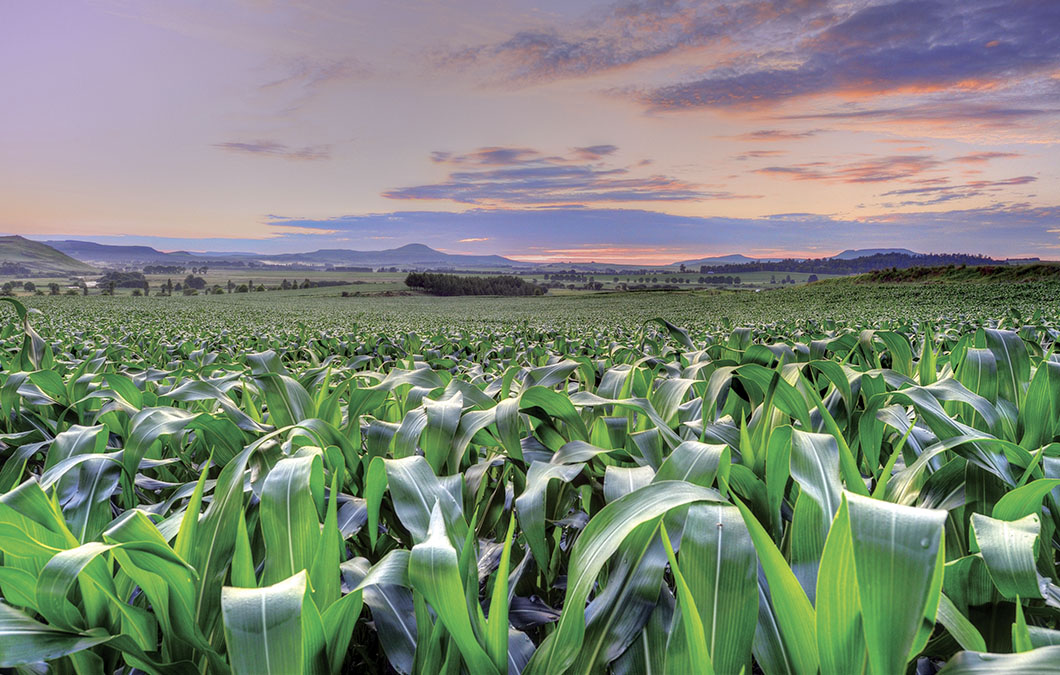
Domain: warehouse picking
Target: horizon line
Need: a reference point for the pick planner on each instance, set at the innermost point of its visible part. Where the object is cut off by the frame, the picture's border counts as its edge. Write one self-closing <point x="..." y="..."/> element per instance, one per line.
<point x="521" y="257"/>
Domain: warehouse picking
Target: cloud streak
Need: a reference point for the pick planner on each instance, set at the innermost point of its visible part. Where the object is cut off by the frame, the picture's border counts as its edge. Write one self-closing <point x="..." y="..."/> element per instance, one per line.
<point x="515" y="176"/>
<point x="269" y="148"/>
<point x="876" y="170"/>
<point x="925" y="173"/>
<point x="935" y="194"/>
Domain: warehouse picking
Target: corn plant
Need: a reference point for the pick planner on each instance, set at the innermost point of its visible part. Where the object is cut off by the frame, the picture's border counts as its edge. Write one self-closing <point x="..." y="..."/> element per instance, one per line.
<point x="781" y="498"/>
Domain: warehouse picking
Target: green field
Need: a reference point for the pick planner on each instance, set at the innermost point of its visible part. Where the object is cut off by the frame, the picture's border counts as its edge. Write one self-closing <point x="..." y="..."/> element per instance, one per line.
<point x="393" y="282"/>
<point x="298" y="482"/>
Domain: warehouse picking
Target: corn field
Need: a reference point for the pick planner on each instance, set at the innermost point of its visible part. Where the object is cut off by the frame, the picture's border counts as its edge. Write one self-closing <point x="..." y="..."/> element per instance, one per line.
<point x="798" y="497"/>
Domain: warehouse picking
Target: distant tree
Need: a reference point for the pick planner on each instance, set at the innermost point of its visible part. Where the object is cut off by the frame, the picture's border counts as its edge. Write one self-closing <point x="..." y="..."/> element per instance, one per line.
<point x="261" y="288"/>
<point x="29" y="286"/>
<point x="163" y="269"/>
<point x="231" y="285"/>
<point x="242" y="288"/>
<point x="682" y="268"/>
<point x="285" y="285"/>
<point x="773" y="279"/>
<point x="122" y="279"/>
<point x="137" y="293"/>
<point x="811" y="278"/>
<point x="177" y="287"/>
<point x="192" y="281"/>
<point x="147" y="288"/>
<point x="53" y="288"/>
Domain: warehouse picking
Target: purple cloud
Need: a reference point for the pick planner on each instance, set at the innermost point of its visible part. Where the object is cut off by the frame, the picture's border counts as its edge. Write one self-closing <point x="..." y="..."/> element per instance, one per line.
<point x="267" y="148"/>
<point x="934" y="194"/>
<point x="524" y="176"/>
<point x="917" y="45"/>
<point x="629" y="32"/>
<point x="875" y="170"/>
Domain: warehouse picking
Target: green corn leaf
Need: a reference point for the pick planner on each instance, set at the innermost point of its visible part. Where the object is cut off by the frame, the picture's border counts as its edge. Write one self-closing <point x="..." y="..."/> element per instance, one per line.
<point x="1008" y="548"/>
<point x="497" y="625"/>
<point x="290" y="525"/>
<point x="896" y="551"/>
<point x="1041" y="661"/>
<point x="793" y="616"/>
<point x="600" y="539"/>
<point x="718" y="561"/>
<point x="24" y="641"/>
<point x="840" y="636"/>
<point x="695" y="649"/>
<point x="267" y="629"/>
<point x="435" y="572"/>
<point x="958" y="625"/>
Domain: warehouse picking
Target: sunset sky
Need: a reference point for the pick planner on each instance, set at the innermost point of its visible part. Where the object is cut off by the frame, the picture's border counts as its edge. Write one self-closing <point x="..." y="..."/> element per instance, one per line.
<point x="637" y="131"/>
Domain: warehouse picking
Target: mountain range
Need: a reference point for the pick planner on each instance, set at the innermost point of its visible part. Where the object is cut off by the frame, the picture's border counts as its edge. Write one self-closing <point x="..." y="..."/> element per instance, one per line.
<point x="72" y="257"/>
<point x="409" y="255"/>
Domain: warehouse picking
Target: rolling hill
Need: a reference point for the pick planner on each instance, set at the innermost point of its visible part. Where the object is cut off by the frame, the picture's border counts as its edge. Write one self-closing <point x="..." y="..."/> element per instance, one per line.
<point x="409" y="255"/>
<point x="38" y="258"/>
<point x="855" y="253"/>
<point x="735" y="259"/>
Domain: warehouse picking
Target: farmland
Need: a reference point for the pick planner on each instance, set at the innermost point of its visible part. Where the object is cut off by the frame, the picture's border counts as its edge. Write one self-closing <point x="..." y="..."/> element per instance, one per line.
<point x="837" y="478"/>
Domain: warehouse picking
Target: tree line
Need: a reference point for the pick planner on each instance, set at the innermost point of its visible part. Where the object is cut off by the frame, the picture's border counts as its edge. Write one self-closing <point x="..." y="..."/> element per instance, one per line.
<point x="451" y="284"/>
<point x="860" y="265"/>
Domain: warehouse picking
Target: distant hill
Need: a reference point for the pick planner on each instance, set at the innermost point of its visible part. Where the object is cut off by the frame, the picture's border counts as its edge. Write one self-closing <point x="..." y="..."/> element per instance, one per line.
<point x="108" y="254"/>
<point x="740" y="259"/>
<point x="410" y="255"/>
<point x="19" y="255"/>
<point x="735" y="259"/>
<point x="854" y="253"/>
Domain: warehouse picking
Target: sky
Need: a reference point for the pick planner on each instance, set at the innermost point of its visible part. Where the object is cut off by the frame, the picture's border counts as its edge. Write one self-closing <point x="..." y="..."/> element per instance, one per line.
<point x="641" y="131"/>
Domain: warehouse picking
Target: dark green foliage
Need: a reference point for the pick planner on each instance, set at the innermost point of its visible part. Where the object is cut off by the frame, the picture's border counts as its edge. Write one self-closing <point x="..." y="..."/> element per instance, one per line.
<point x="119" y="279"/>
<point x="451" y="284"/>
